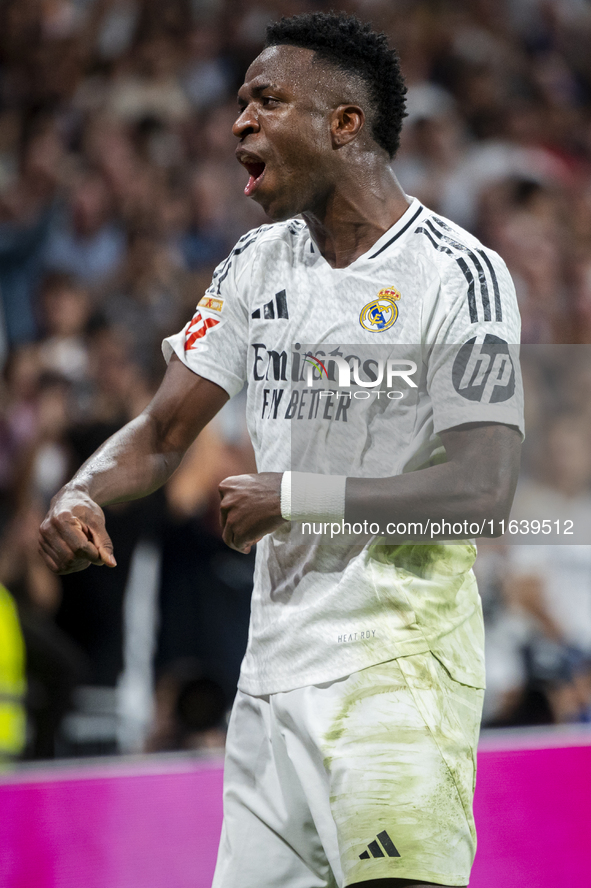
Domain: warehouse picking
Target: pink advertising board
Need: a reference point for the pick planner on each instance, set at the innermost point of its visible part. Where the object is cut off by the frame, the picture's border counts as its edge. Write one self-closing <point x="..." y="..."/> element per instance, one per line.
<point x="155" y="823"/>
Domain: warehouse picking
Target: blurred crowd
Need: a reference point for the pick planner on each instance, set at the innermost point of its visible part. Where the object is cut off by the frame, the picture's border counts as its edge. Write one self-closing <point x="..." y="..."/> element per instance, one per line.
<point x="119" y="193"/>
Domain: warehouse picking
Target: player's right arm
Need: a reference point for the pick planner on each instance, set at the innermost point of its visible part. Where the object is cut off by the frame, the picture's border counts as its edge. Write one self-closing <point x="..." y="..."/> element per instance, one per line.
<point x="132" y="463"/>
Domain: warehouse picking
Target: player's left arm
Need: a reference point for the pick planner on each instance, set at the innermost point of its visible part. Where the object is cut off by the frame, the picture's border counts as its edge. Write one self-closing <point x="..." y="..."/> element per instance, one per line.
<point x="476" y="484"/>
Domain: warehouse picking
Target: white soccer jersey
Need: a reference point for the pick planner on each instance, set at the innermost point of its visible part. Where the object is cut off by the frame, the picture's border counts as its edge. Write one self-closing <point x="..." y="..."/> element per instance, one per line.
<point x="322" y="611"/>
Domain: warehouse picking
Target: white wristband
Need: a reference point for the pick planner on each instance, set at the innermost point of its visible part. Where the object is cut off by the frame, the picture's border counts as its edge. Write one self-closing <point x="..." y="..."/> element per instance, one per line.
<point x="309" y="497"/>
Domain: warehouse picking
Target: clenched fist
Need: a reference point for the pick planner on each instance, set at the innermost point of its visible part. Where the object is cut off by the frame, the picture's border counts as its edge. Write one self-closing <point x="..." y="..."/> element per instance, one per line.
<point x="250" y="508"/>
<point x="73" y="534"/>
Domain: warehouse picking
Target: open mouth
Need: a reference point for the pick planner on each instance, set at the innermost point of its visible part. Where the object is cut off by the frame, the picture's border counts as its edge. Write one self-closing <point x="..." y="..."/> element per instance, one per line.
<point x="256" y="171"/>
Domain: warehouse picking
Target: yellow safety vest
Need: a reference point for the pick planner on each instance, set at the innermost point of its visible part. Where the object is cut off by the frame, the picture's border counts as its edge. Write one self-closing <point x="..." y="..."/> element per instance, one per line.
<point x="12" y="679"/>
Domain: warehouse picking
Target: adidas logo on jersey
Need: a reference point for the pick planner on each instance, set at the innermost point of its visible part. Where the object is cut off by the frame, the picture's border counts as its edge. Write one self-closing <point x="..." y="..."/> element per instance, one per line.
<point x="376" y="848"/>
<point x="275" y="308"/>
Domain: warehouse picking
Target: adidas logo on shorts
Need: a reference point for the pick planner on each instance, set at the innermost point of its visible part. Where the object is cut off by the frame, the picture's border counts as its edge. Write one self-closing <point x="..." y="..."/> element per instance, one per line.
<point x="376" y="849"/>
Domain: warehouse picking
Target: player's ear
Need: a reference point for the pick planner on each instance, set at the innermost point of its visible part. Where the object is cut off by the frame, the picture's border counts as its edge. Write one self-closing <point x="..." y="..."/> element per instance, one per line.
<point x="345" y="125"/>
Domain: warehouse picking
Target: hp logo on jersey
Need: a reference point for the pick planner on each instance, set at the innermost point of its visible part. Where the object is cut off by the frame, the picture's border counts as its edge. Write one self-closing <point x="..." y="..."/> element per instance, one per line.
<point x="380" y="313"/>
<point x="484" y="371"/>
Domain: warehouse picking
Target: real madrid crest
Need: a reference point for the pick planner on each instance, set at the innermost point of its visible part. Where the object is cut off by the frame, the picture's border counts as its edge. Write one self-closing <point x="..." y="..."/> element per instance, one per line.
<point x="381" y="312"/>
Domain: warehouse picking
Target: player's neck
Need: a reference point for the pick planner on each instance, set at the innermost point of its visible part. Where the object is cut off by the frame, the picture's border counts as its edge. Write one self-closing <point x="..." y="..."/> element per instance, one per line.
<point x="358" y="211"/>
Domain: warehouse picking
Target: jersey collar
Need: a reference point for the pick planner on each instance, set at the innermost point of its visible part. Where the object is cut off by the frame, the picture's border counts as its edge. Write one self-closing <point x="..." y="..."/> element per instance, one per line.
<point x="388" y="239"/>
<point x="396" y="231"/>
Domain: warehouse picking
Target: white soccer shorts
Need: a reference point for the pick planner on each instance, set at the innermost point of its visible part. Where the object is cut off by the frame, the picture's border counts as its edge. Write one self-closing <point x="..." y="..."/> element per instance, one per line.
<point x="368" y="777"/>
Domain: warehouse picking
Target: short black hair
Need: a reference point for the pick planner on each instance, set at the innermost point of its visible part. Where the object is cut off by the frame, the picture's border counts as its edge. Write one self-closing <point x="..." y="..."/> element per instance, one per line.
<point x="351" y="45"/>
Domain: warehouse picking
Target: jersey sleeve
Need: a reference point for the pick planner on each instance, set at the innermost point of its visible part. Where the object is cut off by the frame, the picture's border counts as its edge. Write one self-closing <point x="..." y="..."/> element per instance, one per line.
<point x="473" y="372"/>
<point x="214" y="342"/>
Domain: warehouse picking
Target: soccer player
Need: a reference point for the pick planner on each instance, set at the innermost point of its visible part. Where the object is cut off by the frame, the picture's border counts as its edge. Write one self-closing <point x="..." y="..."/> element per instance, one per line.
<point x="351" y="748"/>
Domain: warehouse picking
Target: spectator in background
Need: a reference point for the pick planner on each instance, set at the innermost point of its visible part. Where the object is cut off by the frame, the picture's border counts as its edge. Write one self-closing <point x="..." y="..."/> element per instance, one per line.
<point x="539" y="615"/>
<point x="49" y="458"/>
<point x="207" y="76"/>
<point x="524" y="221"/>
<point x="92" y="609"/>
<point x="33" y="455"/>
<point x="190" y="710"/>
<point x="86" y="241"/>
<point x="204" y="612"/>
<point x="148" y="84"/>
<point x="65" y="312"/>
<point x="204" y="243"/>
<point x="556" y="579"/>
<point x="54" y="663"/>
<point x="18" y="422"/>
<point x="147" y="297"/>
<point x="433" y="145"/>
<point x="27" y="209"/>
